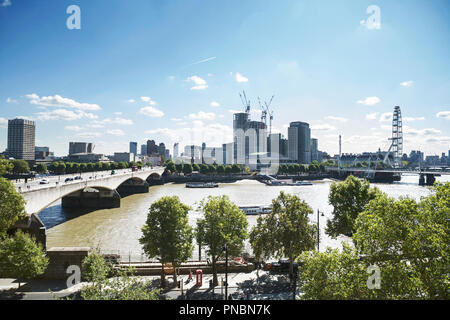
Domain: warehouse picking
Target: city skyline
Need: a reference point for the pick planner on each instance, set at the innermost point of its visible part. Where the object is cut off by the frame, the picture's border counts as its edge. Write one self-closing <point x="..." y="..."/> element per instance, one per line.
<point x="173" y="74"/>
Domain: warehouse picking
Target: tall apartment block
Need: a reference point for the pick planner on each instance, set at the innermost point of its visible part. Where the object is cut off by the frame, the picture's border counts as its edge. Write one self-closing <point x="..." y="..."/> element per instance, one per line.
<point x="299" y="140"/>
<point x="133" y="147"/>
<point x="21" y="139"/>
<point x="80" y="147"/>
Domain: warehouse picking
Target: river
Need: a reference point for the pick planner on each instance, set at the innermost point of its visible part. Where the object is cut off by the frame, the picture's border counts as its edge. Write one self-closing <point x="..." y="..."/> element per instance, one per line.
<point x="118" y="230"/>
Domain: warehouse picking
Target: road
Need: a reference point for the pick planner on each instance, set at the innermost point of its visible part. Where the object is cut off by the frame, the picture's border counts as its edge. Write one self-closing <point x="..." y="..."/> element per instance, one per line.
<point x="242" y="286"/>
<point x="34" y="184"/>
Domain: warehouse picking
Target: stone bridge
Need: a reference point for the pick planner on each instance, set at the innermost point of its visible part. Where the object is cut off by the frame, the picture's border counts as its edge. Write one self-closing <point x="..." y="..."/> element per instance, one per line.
<point x="99" y="192"/>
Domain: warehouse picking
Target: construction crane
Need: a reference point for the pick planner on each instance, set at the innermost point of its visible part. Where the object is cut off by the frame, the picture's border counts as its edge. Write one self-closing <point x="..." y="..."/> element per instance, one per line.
<point x="270" y="113"/>
<point x="245" y="102"/>
<point x="263" y="112"/>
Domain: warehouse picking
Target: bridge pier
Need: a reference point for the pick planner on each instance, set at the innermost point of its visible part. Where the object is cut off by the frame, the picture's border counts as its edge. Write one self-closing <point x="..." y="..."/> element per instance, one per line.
<point x="427" y="179"/>
<point x="92" y="198"/>
<point x="132" y="187"/>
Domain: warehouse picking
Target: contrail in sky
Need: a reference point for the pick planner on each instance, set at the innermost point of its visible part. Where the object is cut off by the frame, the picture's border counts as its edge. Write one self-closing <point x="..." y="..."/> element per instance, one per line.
<point x="201" y="61"/>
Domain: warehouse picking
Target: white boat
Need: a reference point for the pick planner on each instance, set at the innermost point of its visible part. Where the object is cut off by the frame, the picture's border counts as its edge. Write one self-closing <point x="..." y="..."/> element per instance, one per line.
<point x="256" y="210"/>
<point x="303" y="183"/>
<point x="201" y="185"/>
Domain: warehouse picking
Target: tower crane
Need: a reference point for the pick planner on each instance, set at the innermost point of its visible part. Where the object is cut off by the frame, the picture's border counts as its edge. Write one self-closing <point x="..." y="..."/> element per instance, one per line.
<point x="270" y="113"/>
<point x="263" y="112"/>
<point x="245" y="102"/>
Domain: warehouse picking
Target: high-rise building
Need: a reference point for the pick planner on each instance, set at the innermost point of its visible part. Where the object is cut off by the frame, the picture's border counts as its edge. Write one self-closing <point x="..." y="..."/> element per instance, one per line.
<point x="21" y="139"/>
<point x="133" y="147"/>
<point x="314" y="149"/>
<point x="249" y="140"/>
<point x="143" y="149"/>
<point x="162" y="149"/>
<point x="80" y="147"/>
<point x="299" y="139"/>
<point x="152" y="148"/>
<point x="175" y="150"/>
<point x="277" y="146"/>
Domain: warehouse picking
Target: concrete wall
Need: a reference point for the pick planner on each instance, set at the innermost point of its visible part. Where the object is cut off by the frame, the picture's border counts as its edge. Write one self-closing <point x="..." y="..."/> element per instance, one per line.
<point x="61" y="258"/>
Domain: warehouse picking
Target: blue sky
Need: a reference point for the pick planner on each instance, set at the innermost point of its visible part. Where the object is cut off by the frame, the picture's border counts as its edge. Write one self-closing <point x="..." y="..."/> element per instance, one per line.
<point x="172" y="70"/>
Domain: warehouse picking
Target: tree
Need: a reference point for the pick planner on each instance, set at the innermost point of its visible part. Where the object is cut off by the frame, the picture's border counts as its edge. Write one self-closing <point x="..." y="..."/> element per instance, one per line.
<point x="95" y="267"/>
<point x="236" y="168"/>
<point x="411" y="246"/>
<point x="41" y="168"/>
<point x="333" y="275"/>
<point x="12" y="206"/>
<point x="220" y="169"/>
<point x="5" y="166"/>
<point x="204" y="168"/>
<point x="195" y="167"/>
<point x="21" y="257"/>
<point x="348" y="199"/>
<point x="179" y="167"/>
<point x="120" y="287"/>
<point x="228" y="170"/>
<point x="222" y="223"/>
<point x="288" y="229"/>
<point x="20" y="166"/>
<point x="167" y="233"/>
<point x="187" y="168"/>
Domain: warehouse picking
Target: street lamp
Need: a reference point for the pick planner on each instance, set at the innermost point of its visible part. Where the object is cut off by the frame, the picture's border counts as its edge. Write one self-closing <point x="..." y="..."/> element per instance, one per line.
<point x="318" y="229"/>
<point x="225" y="248"/>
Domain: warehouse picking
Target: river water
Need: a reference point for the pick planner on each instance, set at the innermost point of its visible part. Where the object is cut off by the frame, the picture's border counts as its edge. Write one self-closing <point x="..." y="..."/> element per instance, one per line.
<point x="118" y="230"/>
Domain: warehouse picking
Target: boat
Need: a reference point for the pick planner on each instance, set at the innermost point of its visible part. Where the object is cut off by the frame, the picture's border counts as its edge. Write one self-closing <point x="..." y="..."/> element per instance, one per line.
<point x="256" y="210"/>
<point x="202" y="185"/>
<point x="303" y="183"/>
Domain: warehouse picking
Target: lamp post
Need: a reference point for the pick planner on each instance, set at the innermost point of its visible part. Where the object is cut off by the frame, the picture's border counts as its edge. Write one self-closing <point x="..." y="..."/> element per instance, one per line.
<point x="318" y="230"/>
<point x="225" y="248"/>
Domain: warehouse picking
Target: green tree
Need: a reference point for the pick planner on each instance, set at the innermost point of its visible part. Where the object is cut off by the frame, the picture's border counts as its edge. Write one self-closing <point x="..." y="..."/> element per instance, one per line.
<point x="228" y="170"/>
<point x="12" y="206"/>
<point x="408" y="241"/>
<point x="333" y="275"/>
<point x="348" y="199"/>
<point x="220" y="169"/>
<point x="222" y="223"/>
<point x="20" y="166"/>
<point x="95" y="267"/>
<point x="204" y="169"/>
<point x="236" y="168"/>
<point x="167" y="233"/>
<point x="122" y="286"/>
<point x="288" y="229"/>
<point x="21" y="257"/>
<point x="41" y="168"/>
<point x="187" y="168"/>
<point x="179" y="167"/>
<point x="170" y="166"/>
<point x="5" y="166"/>
<point x="195" y="167"/>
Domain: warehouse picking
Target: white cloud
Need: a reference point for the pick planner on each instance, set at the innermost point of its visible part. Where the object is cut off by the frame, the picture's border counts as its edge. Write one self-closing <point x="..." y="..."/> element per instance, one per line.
<point x="215" y="104"/>
<point x="407" y="83"/>
<point x="116" y="132"/>
<point x="369" y="101"/>
<point x="200" y="84"/>
<point x="323" y="127"/>
<point x="372" y="116"/>
<point x="73" y="128"/>
<point x="422" y="132"/>
<point x="386" y="117"/>
<point x="88" y="135"/>
<point x="443" y="114"/>
<point x="58" y="101"/>
<point x="202" y="116"/>
<point x="410" y="119"/>
<point x="234" y="111"/>
<point x="151" y="112"/>
<point x="131" y="100"/>
<point x="9" y="100"/>
<point x="3" y="123"/>
<point x="240" y="78"/>
<point x="118" y="113"/>
<point x="117" y="120"/>
<point x="176" y="119"/>
<point x="338" y="119"/>
<point x="64" y="114"/>
<point x="6" y="3"/>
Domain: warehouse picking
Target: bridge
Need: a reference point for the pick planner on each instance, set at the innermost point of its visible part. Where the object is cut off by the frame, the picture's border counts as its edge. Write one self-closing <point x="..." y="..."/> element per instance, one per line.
<point x="426" y="177"/>
<point x="94" y="190"/>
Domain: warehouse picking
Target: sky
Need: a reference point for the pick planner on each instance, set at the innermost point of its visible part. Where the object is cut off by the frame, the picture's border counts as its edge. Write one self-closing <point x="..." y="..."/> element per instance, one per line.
<point x="172" y="71"/>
